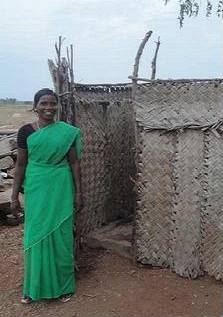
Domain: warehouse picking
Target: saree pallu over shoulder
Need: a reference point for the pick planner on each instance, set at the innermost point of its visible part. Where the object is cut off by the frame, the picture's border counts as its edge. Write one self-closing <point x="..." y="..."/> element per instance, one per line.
<point x="48" y="184"/>
<point x="50" y="144"/>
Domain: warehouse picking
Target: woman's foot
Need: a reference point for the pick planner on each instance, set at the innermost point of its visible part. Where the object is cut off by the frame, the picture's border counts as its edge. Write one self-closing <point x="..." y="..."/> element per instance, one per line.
<point x="26" y="299"/>
<point x="65" y="298"/>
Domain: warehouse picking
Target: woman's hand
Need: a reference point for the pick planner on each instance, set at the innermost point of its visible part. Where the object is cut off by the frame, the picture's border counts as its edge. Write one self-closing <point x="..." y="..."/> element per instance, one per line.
<point x="78" y="205"/>
<point x="15" y="207"/>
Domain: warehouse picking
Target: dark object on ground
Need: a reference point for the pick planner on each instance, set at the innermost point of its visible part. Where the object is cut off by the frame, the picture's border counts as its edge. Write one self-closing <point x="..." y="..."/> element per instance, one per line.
<point x="11" y="220"/>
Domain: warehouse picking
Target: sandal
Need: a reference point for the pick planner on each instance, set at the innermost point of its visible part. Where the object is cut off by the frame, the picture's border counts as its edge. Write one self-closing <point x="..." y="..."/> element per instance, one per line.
<point x="65" y="298"/>
<point x="26" y="299"/>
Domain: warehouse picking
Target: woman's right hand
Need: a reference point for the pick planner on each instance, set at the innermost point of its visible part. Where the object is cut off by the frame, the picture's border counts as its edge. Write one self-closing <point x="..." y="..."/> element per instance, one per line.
<point x="15" y="207"/>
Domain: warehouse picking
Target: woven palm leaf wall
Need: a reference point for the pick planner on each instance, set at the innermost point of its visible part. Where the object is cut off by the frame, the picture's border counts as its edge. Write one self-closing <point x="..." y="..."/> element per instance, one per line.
<point x="107" y="162"/>
<point x="179" y="216"/>
<point x="154" y="198"/>
<point x="212" y="226"/>
<point x="186" y="209"/>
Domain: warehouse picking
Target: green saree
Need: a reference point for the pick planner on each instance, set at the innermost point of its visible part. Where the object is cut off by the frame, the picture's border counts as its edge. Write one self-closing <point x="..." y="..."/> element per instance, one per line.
<point x="48" y="230"/>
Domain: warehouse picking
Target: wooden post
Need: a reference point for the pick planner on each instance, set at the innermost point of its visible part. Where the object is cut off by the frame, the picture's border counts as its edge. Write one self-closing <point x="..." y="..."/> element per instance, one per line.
<point x="70" y="58"/>
<point x="137" y="60"/>
<point x="153" y="76"/>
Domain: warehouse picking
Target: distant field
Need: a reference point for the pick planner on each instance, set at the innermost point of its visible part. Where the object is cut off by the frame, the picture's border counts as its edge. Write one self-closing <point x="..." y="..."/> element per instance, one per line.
<point x="16" y="115"/>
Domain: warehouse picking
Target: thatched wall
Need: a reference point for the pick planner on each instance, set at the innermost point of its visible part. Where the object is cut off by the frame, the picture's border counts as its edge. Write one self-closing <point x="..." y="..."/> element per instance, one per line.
<point x="180" y="173"/>
<point x="106" y="120"/>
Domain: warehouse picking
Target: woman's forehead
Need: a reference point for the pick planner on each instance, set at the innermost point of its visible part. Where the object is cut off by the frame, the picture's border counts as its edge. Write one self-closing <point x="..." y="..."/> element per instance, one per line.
<point x="48" y="98"/>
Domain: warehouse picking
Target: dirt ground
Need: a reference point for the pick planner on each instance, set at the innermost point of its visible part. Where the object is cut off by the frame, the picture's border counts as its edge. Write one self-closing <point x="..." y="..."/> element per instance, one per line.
<point x="16" y="115"/>
<point x="108" y="285"/>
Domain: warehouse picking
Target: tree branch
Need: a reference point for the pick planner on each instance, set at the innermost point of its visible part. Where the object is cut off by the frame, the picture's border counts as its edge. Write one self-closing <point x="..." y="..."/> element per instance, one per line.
<point x="137" y="60"/>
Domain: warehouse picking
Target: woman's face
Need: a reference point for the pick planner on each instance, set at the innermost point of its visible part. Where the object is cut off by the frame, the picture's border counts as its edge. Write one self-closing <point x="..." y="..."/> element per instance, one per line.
<point x="46" y="107"/>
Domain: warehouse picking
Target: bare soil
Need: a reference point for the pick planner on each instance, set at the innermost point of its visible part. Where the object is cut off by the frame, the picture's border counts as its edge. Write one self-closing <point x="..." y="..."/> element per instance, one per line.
<point x="16" y="116"/>
<point x="108" y="285"/>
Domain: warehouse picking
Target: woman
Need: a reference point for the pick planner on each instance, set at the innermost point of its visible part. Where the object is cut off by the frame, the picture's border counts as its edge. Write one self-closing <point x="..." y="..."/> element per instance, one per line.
<point x="48" y="169"/>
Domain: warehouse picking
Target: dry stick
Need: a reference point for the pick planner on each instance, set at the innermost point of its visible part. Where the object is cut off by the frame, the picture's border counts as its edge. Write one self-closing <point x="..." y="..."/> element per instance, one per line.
<point x="89" y="295"/>
<point x="52" y="69"/>
<point x="68" y="59"/>
<point x="137" y="59"/>
<point x="171" y="81"/>
<point x="214" y="126"/>
<point x="57" y="75"/>
<point x="72" y="83"/>
<point x="139" y="79"/>
<point x="70" y="64"/>
<point x="72" y="86"/>
<point x="153" y="76"/>
<point x="58" y="50"/>
<point x="58" y="63"/>
<point x="58" y="83"/>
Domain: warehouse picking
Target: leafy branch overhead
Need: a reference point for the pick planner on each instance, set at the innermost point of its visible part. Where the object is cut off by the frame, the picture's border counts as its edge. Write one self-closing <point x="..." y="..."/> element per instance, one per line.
<point x="189" y="8"/>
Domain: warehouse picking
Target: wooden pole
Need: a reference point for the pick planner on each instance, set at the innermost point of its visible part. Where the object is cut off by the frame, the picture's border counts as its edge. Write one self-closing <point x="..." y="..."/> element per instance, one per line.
<point x="137" y="60"/>
<point x="70" y="58"/>
<point x="153" y="76"/>
<point x="58" y="82"/>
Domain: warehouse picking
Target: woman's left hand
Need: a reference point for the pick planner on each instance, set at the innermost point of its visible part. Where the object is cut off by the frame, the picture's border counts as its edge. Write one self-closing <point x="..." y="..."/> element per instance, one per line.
<point x="78" y="202"/>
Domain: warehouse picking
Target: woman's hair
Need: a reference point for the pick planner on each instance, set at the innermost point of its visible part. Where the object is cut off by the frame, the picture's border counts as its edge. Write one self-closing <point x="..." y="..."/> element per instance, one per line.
<point x="43" y="92"/>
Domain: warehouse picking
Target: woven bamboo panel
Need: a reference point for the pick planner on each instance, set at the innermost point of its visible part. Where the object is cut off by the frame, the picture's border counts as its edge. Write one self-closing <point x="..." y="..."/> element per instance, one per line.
<point x="117" y="121"/>
<point x="104" y="158"/>
<point x="186" y="216"/>
<point x="212" y="216"/>
<point x="115" y="135"/>
<point x="170" y="104"/>
<point x="154" y="205"/>
<point x="128" y="170"/>
<point x="121" y="137"/>
<point x="89" y="117"/>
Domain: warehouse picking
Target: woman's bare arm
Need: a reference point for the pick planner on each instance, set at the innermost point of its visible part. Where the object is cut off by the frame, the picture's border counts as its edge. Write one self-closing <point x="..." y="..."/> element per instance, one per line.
<point x="76" y="172"/>
<point x="18" y="179"/>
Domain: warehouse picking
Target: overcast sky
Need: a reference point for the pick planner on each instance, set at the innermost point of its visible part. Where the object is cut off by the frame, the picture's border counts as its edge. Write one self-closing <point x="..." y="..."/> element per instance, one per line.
<point x="106" y="35"/>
